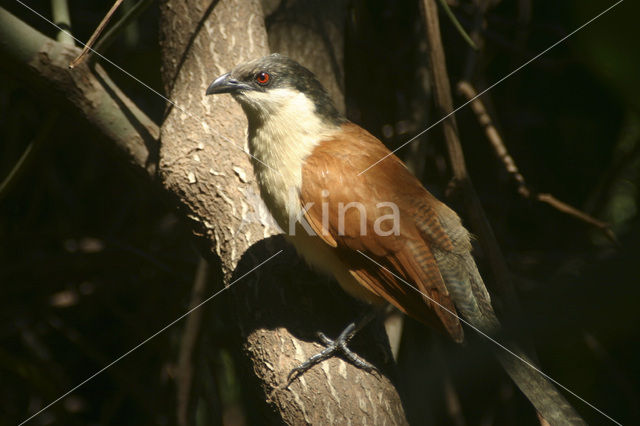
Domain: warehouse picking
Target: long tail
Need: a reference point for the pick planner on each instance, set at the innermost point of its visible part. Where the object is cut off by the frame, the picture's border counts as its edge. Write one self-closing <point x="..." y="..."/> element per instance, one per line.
<point x="472" y="300"/>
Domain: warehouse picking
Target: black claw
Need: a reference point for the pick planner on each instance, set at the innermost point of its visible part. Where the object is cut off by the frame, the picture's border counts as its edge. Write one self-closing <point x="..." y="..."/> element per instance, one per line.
<point x="334" y="346"/>
<point x="355" y="359"/>
<point x="312" y="361"/>
<point x="323" y="337"/>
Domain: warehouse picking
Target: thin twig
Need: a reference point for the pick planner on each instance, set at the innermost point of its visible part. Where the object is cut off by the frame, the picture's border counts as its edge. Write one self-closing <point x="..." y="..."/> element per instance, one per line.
<point x="188" y="345"/>
<point x="95" y="34"/>
<point x="452" y="400"/>
<point x="523" y="21"/>
<point x="475" y="34"/>
<point x="60" y="15"/>
<point x="122" y="23"/>
<point x="467" y="90"/>
<point x="457" y="24"/>
<point x="394" y="325"/>
<point x="29" y="153"/>
<point x="578" y="214"/>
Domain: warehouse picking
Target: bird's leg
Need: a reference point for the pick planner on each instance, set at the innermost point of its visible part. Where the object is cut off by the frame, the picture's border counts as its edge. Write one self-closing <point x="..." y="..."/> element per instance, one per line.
<point x="339" y="345"/>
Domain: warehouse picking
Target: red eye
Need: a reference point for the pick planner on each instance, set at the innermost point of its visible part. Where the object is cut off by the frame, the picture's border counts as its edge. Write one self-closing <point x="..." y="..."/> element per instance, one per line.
<point x="263" y="78"/>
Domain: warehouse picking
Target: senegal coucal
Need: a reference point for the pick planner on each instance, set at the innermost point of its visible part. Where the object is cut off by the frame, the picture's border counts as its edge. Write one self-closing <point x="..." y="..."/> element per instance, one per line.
<point x="380" y="233"/>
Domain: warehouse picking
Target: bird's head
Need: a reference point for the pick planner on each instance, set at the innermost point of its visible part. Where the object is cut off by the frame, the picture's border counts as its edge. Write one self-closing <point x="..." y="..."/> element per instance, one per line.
<point x="266" y="86"/>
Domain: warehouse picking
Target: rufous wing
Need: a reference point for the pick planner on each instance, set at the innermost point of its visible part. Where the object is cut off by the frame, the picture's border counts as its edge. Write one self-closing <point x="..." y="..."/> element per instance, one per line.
<point x="348" y="212"/>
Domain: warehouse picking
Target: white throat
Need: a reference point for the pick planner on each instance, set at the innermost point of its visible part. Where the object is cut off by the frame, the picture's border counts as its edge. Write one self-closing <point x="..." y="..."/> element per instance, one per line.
<point x="283" y="130"/>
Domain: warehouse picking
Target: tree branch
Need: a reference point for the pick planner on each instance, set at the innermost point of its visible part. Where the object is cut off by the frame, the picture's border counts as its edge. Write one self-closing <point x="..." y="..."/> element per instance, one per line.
<point x="188" y="346"/>
<point x="43" y="64"/>
<point x="466" y="90"/>
<point x="95" y="34"/>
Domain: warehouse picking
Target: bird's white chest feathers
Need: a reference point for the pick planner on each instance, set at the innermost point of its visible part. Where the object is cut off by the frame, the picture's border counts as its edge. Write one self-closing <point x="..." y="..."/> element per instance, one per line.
<point x="283" y="131"/>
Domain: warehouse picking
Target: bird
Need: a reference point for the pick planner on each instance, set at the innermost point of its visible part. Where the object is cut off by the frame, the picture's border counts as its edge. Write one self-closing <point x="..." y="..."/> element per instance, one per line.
<point x="377" y="230"/>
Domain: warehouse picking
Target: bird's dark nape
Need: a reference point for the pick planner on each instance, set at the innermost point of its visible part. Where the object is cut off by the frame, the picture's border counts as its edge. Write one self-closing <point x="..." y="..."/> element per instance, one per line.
<point x="306" y="82"/>
<point x="288" y="73"/>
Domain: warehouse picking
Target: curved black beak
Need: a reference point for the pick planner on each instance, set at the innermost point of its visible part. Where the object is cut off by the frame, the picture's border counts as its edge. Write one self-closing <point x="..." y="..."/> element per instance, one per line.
<point x="226" y="84"/>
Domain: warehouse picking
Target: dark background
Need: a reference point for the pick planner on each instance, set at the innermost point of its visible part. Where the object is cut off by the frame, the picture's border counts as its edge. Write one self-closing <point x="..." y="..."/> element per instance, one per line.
<point x="92" y="261"/>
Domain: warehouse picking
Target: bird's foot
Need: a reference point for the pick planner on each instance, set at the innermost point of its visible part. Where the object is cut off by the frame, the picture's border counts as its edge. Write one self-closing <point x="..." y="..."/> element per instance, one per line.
<point x="348" y="353"/>
<point x="334" y="348"/>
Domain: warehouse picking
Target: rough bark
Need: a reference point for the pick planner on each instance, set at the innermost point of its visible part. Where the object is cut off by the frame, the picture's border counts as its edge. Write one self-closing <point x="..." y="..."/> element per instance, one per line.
<point x="200" y="41"/>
